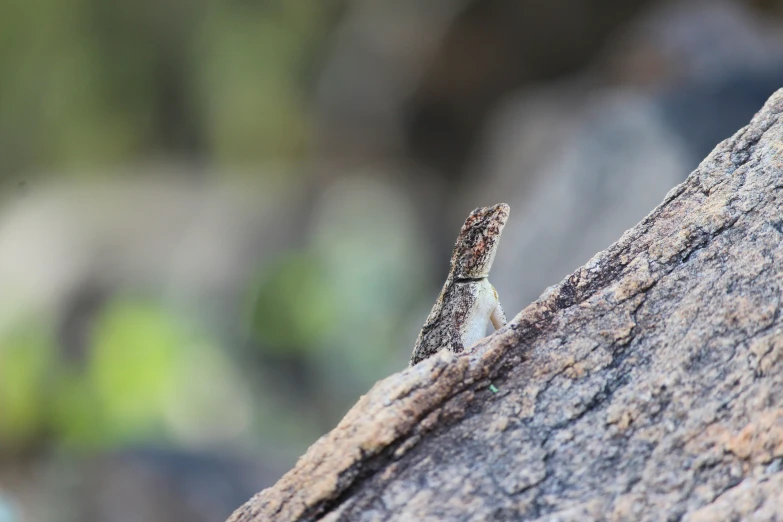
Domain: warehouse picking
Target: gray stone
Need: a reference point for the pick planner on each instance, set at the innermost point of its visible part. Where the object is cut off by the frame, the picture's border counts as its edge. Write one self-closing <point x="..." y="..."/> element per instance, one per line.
<point x="647" y="385"/>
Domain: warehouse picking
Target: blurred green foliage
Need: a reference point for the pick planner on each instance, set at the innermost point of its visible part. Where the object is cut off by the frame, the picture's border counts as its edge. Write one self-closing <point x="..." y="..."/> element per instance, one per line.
<point x="137" y="349"/>
<point x="133" y="384"/>
<point x="86" y="83"/>
<point x="293" y="305"/>
<point x="251" y="60"/>
<point x="330" y="315"/>
<point x="26" y="367"/>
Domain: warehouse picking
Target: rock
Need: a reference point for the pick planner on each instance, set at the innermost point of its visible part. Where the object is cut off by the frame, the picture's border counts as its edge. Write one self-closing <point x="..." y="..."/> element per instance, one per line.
<point x="645" y="386"/>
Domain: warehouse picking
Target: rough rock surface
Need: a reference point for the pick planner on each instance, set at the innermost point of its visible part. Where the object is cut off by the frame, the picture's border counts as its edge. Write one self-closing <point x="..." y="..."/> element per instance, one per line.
<point x="646" y="386"/>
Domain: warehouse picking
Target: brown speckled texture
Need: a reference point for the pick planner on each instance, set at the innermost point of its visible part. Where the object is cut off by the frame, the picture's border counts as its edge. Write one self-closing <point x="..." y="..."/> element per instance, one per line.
<point x="471" y="260"/>
<point x="648" y="385"/>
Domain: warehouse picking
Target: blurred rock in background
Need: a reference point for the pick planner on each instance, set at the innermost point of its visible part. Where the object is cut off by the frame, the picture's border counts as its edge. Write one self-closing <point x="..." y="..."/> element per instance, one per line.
<point x="223" y="222"/>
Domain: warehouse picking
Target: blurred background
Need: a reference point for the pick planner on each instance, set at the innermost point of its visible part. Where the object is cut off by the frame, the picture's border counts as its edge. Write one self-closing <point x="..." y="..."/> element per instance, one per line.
<point x="222" y="222"/>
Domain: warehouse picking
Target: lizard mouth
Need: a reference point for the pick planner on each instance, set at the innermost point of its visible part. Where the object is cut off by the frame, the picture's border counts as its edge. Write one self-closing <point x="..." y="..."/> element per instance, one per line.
<point x="469" y="279"/>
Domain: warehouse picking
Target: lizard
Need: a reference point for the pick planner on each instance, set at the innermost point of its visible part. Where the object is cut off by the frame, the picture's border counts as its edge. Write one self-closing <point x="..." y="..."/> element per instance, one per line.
<point x="468" y="301"/>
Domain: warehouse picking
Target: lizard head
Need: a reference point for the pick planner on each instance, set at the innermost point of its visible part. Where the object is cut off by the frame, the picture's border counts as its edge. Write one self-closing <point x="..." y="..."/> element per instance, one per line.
<point x="478" y="241"/>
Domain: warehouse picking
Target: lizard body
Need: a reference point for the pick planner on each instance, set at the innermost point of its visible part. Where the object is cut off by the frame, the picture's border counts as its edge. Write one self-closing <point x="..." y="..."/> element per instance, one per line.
<point x="467" y="302"/>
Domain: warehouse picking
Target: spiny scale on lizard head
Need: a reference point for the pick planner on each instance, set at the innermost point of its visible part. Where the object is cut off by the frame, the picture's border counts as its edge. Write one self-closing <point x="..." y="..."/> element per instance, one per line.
<point x="478" y="241"/>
